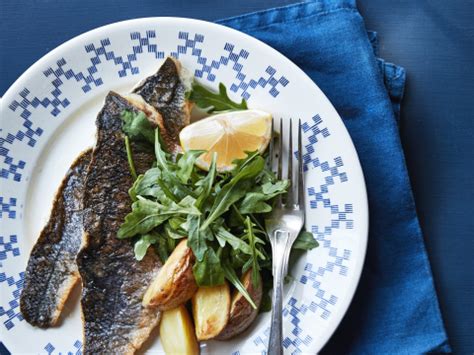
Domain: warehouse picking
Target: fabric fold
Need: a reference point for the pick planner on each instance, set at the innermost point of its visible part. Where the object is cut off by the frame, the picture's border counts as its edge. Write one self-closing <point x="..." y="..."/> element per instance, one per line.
<point x="395" y="309"/>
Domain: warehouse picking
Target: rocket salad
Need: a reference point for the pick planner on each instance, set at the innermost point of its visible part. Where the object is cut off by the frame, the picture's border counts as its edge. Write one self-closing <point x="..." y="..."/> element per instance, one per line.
<point x="221" y="213"/>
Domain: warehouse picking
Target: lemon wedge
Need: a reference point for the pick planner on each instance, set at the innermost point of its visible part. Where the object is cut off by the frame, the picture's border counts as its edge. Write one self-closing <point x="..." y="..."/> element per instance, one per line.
<point x="230" y="135"/>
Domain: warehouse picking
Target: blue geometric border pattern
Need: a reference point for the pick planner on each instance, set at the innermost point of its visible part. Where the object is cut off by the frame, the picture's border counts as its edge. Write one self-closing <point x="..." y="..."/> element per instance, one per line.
<point x="315" y="133"/>
<point x="261" y="341"/>
<point x="12" y="313"/>
<point x="321" y="198"/>
<point x="8" y="247"/>
<point x="57" y="75"/>
<point x="77" y="349"/>
<point x="60" y="73"/>
<point x="7" y="207"/>
<point x="124" y="62"/>
<point x="233" y="58"/>
<point x="27" y="134"/>
<point x="332" y="174"/>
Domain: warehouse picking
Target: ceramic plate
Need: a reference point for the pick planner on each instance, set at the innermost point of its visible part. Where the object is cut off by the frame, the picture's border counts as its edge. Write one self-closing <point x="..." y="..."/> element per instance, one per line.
<point x="47" y="119"/>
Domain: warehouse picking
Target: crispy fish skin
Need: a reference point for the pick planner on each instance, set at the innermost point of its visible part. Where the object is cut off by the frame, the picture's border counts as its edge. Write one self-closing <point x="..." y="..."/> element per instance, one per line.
<point x="166" y="92"/>
<point x="52" y="271"/>
<point x="113" y="281"/>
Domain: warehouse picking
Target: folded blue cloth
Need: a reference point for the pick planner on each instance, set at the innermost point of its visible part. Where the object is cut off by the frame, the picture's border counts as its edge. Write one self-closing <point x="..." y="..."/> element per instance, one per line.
<point x="395" y="310"/>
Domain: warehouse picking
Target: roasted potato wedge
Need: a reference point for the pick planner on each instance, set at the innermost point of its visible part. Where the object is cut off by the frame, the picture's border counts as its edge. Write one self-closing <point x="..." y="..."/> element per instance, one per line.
<point x="211" y="306"/>
<point x="242" y="313"/>
<point x="174" y="284"/>
<point x="177" y="332"/>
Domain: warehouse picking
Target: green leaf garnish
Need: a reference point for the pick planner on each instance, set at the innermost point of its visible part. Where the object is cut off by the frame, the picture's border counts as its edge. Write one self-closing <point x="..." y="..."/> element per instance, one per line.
<point x="142" y="244"/>
<point x="230" y="275"/>
<point x="305" y="241"/>
<point x="186" y="164"/>
<point x="255" y="202"/>
<point x="160" y="154"/>
<point x="196" y="240"/>
<point x="224" y="236"/>
<point x="209" y="272"/>
<point x="254" y="259"/>
<point x="137" y="126"/>
<point x="213" y="102"/>
<point x="147" y="215"/>
<point x="131" y="164"/>
<point x="236" y="188"/>
<point x="205" y="185"/>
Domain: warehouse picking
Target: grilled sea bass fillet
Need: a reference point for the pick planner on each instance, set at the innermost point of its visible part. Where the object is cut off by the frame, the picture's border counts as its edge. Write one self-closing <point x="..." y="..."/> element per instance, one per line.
<point x="52" y="271"/>
<point x="113" y="281"/>
<point x="166" y="91"/>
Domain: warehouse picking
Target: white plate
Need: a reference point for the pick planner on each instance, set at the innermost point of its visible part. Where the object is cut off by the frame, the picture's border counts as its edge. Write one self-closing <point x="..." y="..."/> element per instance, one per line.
<point x="47" y="118"/>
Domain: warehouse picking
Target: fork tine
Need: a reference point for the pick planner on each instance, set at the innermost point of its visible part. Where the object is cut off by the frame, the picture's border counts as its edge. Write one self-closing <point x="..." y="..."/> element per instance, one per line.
<point x="300" y="168"/>
<point x="271" y="148"/>
<point x="279" y="202"/>
<point x="290" y="199"/>
<point x="280" y="152"/>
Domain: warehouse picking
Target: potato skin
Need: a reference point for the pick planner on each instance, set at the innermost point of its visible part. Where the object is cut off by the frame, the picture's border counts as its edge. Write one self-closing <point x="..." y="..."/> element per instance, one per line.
<point x="241" y="312"/>
<point x="211" y="306"/>
<point x="175" y="283"/>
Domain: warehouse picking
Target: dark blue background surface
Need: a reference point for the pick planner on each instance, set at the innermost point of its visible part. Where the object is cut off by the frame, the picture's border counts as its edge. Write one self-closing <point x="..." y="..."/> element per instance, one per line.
<point x="435" y="43"/>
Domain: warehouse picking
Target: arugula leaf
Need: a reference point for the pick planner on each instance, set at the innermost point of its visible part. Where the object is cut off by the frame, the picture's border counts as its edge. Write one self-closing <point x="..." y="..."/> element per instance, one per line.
<point x="267" y="176"/>
<point x="147" y="184"/>
<point x="253" y="244"/>
<point x="206" y="183"/>
<point x="178" y="189"/>
<point x="144" y="217"/>
<point x="279" y="186"/>
<point x="147" y="215"/>
<point x="131" y="164"/>
<point x="196" y="240"/>
<point x="186" y="164"/>
<point x="213" y="102"/>
<point x="224" y="236"/>
<point x="230" y="193"/>
<point x="160" y="153"/>
<point x="305" y="241"/>
<point x="255" y="202"/>
<point x="238" y="259"/>
<point x="166" y="191"/>
<point x="161" y="247"/>
<point x="208" y="271"/>
<point x="188" y="201"/>
<point x="132" y="192"/>
<point x="141" y="245"/>
<point x="230" y="275"/>
<point x="170" y="244"/>
<point x="176" y="222"/>
<point x="240" y="164"/>
<point x="172" y="233"/>
<point x="234" y="190"/>
<point x="137" y="126"/>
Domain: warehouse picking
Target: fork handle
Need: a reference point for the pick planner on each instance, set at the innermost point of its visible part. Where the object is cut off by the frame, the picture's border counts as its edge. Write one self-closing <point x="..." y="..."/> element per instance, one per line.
<point x="276" y="329"/>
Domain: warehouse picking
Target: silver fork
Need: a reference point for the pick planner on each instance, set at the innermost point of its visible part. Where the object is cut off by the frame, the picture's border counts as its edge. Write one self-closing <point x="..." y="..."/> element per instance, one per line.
<point x="283" y="225"/>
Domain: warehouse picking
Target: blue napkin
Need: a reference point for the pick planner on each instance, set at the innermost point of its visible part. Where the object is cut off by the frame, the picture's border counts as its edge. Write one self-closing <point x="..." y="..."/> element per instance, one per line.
<point x="395" y="310"/>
